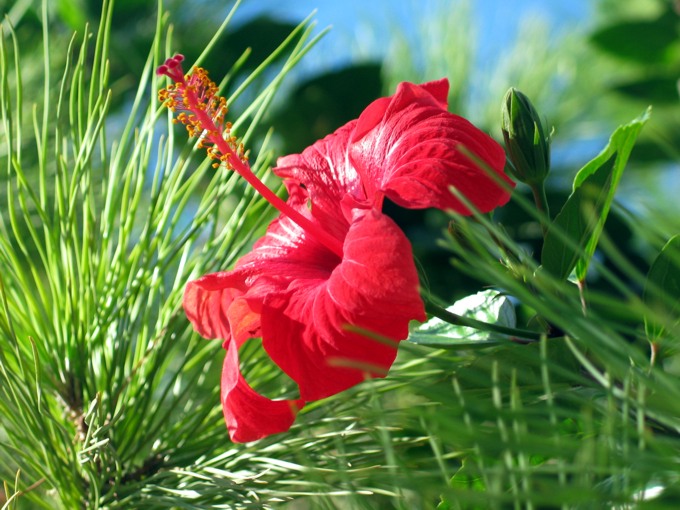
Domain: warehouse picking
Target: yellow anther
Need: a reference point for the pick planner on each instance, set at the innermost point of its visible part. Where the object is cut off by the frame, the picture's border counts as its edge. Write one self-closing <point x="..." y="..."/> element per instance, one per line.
<point x="202" y="112"/>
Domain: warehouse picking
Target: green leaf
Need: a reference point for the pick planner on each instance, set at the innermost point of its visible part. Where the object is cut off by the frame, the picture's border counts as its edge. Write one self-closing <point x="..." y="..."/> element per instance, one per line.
<point x="487" y="306"/>
<point x="656" y="88"/>
<point x="662" y="290"/>
<point x="640" y="41"/>
<point x="73" y="13"/>
<point x="573" y="235"/>
<point x="572" y="228"/>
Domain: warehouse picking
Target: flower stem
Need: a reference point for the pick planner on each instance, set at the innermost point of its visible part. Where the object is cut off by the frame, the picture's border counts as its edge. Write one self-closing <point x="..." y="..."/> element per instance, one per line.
<point x="541" y="201"/>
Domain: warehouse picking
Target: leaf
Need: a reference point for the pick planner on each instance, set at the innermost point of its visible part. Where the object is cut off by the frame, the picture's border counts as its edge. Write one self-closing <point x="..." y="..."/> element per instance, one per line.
<point x="657" y="88"/>
<point x="662" y="290"/>
<point x="73" y="13"/>
<point x="487" y="306"/>
<point x="576" y="221"/>
<point x="640" y="41"/>
<point x="575" y="231"/>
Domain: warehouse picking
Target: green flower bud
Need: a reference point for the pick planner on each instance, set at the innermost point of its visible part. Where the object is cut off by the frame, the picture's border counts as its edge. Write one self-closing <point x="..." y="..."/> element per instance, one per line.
<point x="526" y="142"/>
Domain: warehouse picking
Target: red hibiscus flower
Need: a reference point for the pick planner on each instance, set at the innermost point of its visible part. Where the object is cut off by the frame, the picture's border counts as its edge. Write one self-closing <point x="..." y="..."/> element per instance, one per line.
<point x="332" y="263"/>
<point x="406" y="147"/>
<point x="299" y="296"/>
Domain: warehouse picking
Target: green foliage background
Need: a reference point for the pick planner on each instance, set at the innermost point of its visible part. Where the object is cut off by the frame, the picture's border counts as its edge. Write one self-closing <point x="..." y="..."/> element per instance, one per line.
<point x="109" y="400"/>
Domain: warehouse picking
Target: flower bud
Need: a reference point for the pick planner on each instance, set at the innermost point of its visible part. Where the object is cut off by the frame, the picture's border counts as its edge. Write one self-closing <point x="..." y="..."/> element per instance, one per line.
<point x="526" y="142"/>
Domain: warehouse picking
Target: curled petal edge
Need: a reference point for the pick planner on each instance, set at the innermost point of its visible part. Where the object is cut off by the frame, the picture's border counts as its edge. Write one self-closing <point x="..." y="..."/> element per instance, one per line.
<point x="250" y="416"/>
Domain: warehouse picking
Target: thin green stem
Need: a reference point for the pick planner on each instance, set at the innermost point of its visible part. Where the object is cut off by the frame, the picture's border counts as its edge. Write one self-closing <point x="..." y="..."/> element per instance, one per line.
<point x="541" y="201"/>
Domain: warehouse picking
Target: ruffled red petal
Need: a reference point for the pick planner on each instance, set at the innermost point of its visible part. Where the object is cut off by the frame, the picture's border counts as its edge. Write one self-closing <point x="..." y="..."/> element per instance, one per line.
<point x="208" y="302"/>
<point x="301" y="298"/>
<point x="375" y="288"/>
<point x="406" y="148"/>
<point x="323" y="174"/>
<point x="218" y="308"/>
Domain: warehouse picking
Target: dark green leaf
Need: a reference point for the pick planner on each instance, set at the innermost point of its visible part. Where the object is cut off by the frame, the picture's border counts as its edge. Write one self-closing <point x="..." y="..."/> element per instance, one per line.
<point x="662" y="290"/>
<point x="640" y="41"/>
<point x="573" y="235"/>
<point x="576" y="221"/>
<point x="661" y="88"/>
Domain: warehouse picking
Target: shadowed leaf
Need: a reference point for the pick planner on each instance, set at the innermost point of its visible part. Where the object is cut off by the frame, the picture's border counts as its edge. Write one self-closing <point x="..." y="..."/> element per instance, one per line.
<point x="640" y="41"/>
<point x="662" y="289"/>
<point x="573" y="235"/>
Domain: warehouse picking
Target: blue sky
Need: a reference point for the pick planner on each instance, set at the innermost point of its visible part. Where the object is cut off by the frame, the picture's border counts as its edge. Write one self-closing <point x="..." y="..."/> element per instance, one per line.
<point x="364" y="29"/>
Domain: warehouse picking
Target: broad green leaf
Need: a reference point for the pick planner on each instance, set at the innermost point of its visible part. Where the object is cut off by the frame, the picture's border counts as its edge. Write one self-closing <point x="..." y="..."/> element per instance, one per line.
<point x="662" y="289"/>
<point x="487" y="306"/>
<point x="642" y="41"/>
<point x="575" y="224"/>
<point x="660" y="87"/>
<point x="573" y="235"/>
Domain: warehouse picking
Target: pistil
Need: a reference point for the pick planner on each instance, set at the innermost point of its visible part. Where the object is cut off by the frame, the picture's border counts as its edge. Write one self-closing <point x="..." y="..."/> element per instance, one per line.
<point x="202" y="111"/>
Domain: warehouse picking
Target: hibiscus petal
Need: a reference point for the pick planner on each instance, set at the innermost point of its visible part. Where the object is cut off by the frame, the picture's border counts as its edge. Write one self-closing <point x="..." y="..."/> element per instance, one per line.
<point x="207" y="302"/>
<point x="250" y="416"/>
<point x="228" y="304"/>
<point x="407" y="149"/>
<point x="433" y="93"/>
<point x="287" y="252"/>
<point x="218" y="308"/>
<point x="323" y="167"/>
<point x="326" y="175"/>
<point x="374" y="287"/>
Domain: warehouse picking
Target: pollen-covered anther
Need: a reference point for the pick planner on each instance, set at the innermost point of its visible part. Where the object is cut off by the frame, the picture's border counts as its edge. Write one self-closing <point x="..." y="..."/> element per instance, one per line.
<point x="194" y="98"/>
